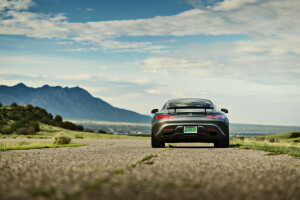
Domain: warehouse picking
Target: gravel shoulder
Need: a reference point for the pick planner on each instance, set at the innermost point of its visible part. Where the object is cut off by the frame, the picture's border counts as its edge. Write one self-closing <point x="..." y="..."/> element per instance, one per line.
<point x="121" y="169"/>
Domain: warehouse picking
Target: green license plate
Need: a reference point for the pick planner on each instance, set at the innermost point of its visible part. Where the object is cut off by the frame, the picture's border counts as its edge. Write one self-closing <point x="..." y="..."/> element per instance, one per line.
<point x="190" y="129"/>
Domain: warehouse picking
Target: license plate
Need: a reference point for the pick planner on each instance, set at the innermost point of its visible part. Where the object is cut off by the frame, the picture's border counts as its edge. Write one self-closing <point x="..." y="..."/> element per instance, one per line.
<point x="190" y="129"/>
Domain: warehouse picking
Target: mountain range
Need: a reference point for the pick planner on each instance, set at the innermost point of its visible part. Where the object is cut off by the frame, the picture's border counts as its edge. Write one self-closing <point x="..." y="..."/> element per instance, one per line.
<point x="71" y="103"/>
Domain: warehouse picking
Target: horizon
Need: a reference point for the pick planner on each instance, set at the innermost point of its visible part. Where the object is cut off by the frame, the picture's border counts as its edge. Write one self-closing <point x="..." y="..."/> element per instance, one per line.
<point x="130" y="123"/>
<point x="242" y="55"/>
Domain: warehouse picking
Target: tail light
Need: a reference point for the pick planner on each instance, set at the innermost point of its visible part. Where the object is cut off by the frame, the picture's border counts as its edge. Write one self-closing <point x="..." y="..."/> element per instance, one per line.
<point x="164" y="116"/>
<point x="215" y="116"/>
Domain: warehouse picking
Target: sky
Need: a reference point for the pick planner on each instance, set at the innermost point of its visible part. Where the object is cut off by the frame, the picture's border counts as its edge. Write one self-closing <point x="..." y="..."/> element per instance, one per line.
<point x="244" y="55"/>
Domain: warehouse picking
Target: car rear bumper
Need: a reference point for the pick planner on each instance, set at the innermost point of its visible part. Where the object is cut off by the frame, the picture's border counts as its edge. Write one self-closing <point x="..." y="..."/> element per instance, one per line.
<point x="206" y="131"/>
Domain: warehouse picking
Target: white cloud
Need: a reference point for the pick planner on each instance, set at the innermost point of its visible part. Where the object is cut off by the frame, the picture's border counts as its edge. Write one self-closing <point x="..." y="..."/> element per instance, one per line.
<point x="80" y="49"/>
<point x="233" y="4"/>
<point x="15" y="4"/>
<point x="277" y="20"/>
<point x="89" y="9"/>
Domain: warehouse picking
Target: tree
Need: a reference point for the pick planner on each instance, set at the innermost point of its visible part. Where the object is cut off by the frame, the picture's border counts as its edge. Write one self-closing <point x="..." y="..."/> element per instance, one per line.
<point x="1" y="105"/>
<point x="58" y="118"/>
<point x="14" y="104"/>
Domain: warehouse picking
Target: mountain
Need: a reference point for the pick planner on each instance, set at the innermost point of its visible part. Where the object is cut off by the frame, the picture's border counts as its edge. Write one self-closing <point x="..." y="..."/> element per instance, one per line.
<point x="71" y="103"/>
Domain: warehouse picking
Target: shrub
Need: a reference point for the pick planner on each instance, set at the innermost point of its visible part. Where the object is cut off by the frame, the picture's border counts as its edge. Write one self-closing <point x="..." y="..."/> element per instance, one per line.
<point x="296" y="141"/>
<point x="31" y="130"/>
<point x="50" y="116"/>
<point x="29" y="107"/>
<point x="58" y="118"/>
<point x="69" y="125"/>
<point x="6" y="129"/>
<point x="80" y="128"/>
<point x="14" y="104"/>
<point x="15" y="116"/>
<point x="89" y="130"/>
<point x="1" y="104"/>
<point x="273" y="140"/>
<point x="18" y="124"/>
<point x="78" y="137"/>
<point x="22" y="131"/>
<point x="295" y="134"/>
<point x="35" y="125"/>
<point x="62" y="139"/>
<point x="101" y="131"/>
<point x="46" y="120"/>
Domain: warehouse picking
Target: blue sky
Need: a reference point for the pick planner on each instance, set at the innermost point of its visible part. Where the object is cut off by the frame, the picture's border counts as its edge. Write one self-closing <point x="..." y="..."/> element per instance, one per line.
<point x="242" y="54"/>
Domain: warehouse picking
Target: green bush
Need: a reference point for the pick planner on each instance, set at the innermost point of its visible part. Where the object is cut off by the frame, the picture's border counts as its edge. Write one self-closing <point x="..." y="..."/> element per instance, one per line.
<point x="62" y="139"/>
<point x="15" y="116"/>
<point x="296" y="141"/>
<point x="18" y="124"/>
<point x="101" y="131"/>
<point x="6" y="129"/>
<point x="22" y="131"/>
<point x="29" y="107"/>
<point x="31" y="130"/>
<point x="295" y="134"/>
<point x="14" y="104"/>
<point x="273" y="140"/>
<point x="58" y="118"/>
<point x="35" y="125"/>
<point x="1" y="105"/>
<point x="80" y="128"/>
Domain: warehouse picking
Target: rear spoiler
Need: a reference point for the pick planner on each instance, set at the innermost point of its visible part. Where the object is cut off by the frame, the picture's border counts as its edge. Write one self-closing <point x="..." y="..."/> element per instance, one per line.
<point x="191" y="107"/>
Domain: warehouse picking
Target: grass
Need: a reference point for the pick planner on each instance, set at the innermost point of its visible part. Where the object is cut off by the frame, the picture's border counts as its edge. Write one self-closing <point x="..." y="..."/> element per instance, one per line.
<point x="48" y="132"/>
<point x="282" y="143"/>
<point x="283" y="137"/>
<point x="24" y="145"/>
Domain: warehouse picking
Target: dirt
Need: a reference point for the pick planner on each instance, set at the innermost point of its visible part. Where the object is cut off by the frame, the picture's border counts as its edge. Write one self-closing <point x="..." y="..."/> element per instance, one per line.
<point x="131" y="169"/>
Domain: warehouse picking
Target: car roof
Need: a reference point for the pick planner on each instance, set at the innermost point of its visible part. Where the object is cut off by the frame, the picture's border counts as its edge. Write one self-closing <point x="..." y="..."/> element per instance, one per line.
<point x="172" y="100"/>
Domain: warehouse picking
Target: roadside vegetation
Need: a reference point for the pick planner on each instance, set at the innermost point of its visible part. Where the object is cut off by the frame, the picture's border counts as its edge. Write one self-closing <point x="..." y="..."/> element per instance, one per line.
<point x="25" y="120"/>
<point x="21" y="122"/>
<point x="24" y="145"/>
<point x="282" y="143"/>
<point x="49" y="131"/>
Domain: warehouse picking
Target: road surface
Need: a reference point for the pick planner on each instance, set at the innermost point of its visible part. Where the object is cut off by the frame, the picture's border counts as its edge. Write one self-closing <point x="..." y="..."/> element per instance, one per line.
<point x="131" y="169"/>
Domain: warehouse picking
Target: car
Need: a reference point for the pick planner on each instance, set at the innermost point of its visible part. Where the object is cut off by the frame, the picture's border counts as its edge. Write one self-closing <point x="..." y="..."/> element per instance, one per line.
<point x="189" y="120"/>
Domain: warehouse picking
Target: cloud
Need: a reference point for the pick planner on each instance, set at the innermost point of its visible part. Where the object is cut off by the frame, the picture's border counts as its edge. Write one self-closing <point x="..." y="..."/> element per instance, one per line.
<point x="80" y="49"/>
<point x="15" y="4"/>
<point x="89" y="9"/>
<point x="263" y="20"/>
<point x="233" y="4"/>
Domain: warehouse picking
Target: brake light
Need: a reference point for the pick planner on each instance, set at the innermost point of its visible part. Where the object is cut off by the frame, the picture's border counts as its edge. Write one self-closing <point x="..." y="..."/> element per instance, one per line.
<point x="215" y="116"/>
<point x="164" y="116"/>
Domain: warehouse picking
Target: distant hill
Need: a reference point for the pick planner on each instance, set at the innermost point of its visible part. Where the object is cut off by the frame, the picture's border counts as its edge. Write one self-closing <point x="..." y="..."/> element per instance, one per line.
<point x="71" y="103"/>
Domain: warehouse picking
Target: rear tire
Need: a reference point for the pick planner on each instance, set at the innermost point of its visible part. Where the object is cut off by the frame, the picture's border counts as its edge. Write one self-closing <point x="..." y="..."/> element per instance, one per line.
<point x="223" y="143"/>
<point x="156" y="143"/>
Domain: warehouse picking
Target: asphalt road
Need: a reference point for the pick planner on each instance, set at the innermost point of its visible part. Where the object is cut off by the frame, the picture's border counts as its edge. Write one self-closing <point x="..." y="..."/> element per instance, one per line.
<point x="131" y="169"/>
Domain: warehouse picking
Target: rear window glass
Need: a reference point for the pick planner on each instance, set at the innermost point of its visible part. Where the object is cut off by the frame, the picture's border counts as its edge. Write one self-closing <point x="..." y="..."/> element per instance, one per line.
<point x="195" y="103"/>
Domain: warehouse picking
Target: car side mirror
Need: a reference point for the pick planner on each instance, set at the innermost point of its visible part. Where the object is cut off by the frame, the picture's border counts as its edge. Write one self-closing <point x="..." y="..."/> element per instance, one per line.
<point x="154" y="111"/>
<point x="224" y="110"/>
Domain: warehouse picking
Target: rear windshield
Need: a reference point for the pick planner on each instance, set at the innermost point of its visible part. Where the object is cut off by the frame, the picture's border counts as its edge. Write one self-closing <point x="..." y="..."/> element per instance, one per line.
<point x="192" y="103"/>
